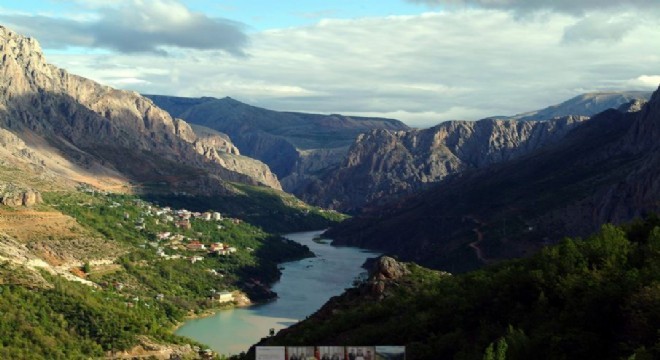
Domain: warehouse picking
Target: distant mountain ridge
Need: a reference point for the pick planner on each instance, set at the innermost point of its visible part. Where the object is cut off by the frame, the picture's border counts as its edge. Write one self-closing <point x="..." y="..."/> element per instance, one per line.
<point x="384" y="164"/>
<point x="296" y="146"/>
<point x="99" y="134"/>
<point x="321" y="159"/>
<point x="587" y="104"/>
<point x="606" y="170"/>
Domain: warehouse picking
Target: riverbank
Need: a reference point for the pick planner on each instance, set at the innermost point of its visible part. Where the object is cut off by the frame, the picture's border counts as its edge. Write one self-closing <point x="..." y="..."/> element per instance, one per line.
<point x="304" y="286"/>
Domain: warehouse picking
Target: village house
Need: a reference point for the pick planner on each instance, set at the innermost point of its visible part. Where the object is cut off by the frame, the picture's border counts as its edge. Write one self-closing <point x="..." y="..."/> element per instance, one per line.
<point x="195" y="246"/>
<point x="183" y="224"/>
<point x="217" y="216"/>
<point x="216" y="246"/>
<point x="226" y="250"/>
<point x="224" y="296"/>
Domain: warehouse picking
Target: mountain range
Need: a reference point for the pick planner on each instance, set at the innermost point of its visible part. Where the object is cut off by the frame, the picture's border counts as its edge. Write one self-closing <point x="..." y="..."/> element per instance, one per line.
<point x="605" y="170"/>
<point x="65" y="129"/>
<point x="347" y="163"/>
<point x="454" y="197"/>
<point x="60" y="129"/>
<point x="587" y="104"/>
<point x="296" y="146"/>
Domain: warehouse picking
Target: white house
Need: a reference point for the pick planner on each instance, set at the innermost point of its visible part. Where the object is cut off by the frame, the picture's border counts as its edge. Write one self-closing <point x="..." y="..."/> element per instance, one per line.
<point x="225" y="296"/>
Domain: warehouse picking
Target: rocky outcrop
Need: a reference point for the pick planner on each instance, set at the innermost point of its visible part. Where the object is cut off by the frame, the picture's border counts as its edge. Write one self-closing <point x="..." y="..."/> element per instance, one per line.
<point x="383" y="164"/>
<point x="99" y="127"/>
<point x="385" y="270"/>
<point x="12" y="195"/>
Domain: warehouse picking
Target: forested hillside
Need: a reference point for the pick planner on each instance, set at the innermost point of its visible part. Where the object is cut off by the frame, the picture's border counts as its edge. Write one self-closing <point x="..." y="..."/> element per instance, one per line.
<point x="594" y="298"/>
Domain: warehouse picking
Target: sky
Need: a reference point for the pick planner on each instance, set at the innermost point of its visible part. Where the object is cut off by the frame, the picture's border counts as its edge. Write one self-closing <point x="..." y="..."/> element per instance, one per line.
<point x="419" y="61"/>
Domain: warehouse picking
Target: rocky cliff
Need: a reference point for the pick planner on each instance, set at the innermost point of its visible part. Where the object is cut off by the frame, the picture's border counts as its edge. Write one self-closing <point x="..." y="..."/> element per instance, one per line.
<point x="298" y="147"/>
<point x="96" y="127"/>
<point x="383" y="164"/>
<point x="13" y="195"/>
<point x="218" y="148"/>
<point x="605" y="170"/>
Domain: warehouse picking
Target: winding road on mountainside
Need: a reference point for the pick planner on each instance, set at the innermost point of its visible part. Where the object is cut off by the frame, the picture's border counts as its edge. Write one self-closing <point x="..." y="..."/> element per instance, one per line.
<point x="480" y="237"/>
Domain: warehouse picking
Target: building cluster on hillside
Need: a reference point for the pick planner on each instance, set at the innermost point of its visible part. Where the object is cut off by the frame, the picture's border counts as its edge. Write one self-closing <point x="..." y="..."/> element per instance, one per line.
<point x="181" y="219"/>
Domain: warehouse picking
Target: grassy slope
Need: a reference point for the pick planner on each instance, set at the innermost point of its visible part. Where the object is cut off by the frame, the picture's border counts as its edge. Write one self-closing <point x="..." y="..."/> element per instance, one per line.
<point x="274" y="211"/>
<point x="65" y="320"/>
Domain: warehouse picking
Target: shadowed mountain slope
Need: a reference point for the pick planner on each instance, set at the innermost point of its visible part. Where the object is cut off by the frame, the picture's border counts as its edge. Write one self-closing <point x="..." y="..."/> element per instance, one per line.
<point x="98" y="134"/>
<point x="607" y="170"/>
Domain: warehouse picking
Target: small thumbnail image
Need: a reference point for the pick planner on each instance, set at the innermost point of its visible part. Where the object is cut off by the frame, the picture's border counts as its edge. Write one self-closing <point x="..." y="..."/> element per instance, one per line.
<point x="390" y="353"/>
<point x="270" y="353"/>
<point x="300" y="353"/>
<point x="330" y="352"/>
<point x="360" y="353"/>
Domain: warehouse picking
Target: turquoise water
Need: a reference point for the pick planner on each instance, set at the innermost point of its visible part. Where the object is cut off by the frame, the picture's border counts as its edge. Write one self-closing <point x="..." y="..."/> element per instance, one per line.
<point x="304" y="287"/>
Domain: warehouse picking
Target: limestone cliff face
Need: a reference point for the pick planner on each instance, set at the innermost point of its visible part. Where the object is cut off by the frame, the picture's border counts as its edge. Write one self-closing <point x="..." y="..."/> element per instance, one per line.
<point x="606" y="170"/>
<point x="298" y="147"/>
<point x="96" y="125"/>
<point x="384" y="163"/>
<point x="310" y="165"/>
<point x="218" y="148"/>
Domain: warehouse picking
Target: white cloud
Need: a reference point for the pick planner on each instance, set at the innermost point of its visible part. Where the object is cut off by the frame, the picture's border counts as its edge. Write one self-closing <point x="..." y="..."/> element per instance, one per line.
<point x="646" y="81"/>
<point x="128" y="81"/>
<point x="565" y="6"/>
<point x="422" y="69"/>
<point x="602" y="26"/>
<point x="132" y="26"/>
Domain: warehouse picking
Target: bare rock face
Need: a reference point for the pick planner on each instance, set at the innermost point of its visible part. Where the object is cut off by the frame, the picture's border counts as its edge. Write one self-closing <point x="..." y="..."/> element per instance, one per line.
<point x="386" y="268"/>
<point x="385" y="271"/>
<point x="633" y="106"/>
<point x="99" y="126"/>
<point x="383" y="164"/>
<point x="298" y="147"/>
<point x="14" y="196"/>
<point x="218" y="148"/>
